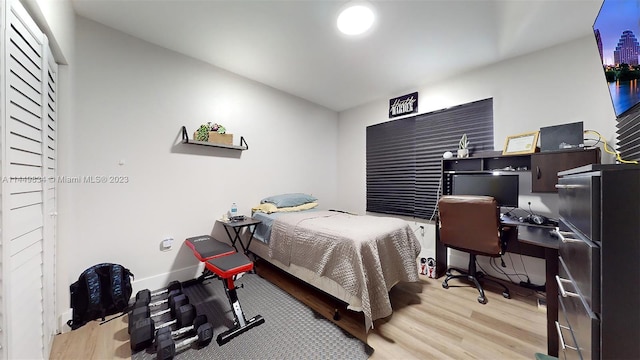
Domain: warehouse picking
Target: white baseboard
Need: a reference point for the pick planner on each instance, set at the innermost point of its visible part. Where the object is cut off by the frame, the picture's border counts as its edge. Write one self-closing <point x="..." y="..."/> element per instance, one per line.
<point x="161" y="280"/>
<point x="62" y="321"/>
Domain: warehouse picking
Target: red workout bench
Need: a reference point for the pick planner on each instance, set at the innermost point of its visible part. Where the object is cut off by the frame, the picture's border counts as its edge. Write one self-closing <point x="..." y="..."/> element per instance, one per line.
<point x="222" y="261"/>
<point x="206" y="248"/>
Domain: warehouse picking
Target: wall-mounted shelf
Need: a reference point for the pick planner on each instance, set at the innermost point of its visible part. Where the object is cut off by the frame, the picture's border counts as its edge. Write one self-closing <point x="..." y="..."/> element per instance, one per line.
<point x="185" y="140"/>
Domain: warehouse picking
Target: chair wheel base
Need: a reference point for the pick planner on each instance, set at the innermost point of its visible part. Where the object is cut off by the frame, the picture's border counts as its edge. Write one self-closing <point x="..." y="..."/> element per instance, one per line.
<point x="475" y="280"/>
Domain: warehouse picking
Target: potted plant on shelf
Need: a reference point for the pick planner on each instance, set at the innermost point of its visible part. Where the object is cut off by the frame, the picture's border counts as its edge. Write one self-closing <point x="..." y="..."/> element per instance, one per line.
<point x="214" y="133"/>
<point x="463" y="147"/>
<point x="202" y="134"/>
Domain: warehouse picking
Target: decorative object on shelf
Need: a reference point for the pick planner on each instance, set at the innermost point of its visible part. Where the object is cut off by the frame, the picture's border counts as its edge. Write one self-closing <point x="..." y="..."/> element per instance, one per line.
<point x="214" y="133"/>
<point x="202" y="134"/>
<point x="447" y="155"/>
<point x="218" y="138"/>
<point x="521" y="144"/>
<point x="210" y="140"/>
<point x="463" y="147"/>
<point x="218" y="128"/>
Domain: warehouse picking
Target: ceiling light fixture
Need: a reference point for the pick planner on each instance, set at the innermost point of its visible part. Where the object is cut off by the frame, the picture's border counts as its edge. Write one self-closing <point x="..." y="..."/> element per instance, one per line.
<point x="356" y="18"/>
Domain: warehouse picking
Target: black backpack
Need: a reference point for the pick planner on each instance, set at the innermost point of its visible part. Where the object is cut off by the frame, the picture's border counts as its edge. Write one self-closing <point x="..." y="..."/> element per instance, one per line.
<point x="101" y="290"/>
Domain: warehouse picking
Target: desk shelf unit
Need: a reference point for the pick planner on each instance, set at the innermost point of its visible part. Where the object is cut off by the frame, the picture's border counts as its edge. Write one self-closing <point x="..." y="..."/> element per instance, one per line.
<point x="483" y="163"/>
<point x="489" y="161"/>
<point x="544" y="167"/>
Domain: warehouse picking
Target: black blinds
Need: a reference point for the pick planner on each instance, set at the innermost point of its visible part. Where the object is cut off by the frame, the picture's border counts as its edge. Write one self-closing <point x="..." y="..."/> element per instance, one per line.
<point x="391" y="167"/>
<point x="404" y="156"/>
<point x="628" y="134"/>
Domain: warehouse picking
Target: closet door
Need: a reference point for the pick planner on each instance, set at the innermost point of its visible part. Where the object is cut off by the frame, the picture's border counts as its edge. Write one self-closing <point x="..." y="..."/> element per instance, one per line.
<point x="50" y="174"/>
<point x="28" y="241"/>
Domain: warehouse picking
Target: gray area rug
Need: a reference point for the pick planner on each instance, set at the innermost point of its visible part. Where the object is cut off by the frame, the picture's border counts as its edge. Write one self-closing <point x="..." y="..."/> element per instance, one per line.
<point x="291" y="330"/>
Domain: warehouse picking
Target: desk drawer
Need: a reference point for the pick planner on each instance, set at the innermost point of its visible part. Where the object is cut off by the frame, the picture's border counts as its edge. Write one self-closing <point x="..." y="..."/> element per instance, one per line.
<point x="568" y="345"/>
<point x="583" y="324"/>
<point x="580" y="203"/>
<point x="581" y="261"/>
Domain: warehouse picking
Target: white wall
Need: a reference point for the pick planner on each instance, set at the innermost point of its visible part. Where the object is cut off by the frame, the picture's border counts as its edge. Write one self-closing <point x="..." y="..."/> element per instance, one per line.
<point x="132" y="98"/>
<point x="558" y="85"/>
<point x="56" y="19"/>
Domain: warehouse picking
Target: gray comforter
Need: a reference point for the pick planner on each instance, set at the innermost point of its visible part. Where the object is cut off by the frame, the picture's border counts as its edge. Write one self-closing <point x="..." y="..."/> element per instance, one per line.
<point x="366" y="255"/>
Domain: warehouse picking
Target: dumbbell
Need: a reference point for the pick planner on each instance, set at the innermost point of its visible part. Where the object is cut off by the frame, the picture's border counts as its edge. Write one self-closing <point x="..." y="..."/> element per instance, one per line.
<point x="146" y="301"/>
<point x="143" y="331"/>
<point x="167" y="347"/>
<point x="166" y="333"/>
<point x="146" y="294"/>
<point x="142" y="312"/>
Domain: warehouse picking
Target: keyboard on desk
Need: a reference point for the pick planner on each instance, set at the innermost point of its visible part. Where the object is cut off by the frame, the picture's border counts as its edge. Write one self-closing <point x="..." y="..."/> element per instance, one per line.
<point x="530" y="220"/>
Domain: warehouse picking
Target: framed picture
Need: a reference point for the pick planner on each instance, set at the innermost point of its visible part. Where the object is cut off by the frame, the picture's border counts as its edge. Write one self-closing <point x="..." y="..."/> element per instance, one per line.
<point x="521" y="144"/>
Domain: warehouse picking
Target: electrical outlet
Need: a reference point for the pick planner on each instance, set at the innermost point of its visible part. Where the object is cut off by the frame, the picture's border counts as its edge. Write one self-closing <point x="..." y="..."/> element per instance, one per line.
<point x="167" y="243"/>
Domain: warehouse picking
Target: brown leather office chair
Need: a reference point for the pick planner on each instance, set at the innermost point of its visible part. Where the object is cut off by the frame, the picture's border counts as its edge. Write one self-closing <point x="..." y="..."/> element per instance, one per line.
<point x="471" y="224"/>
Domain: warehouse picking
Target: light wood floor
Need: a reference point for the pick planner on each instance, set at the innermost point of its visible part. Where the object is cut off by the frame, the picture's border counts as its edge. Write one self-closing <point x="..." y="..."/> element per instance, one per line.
<point x="428" y="322"/>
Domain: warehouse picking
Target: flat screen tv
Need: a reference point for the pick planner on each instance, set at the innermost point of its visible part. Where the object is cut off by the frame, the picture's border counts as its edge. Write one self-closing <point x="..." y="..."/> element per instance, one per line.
<point x="503" y="187"/>
<point x="617" y="32"/>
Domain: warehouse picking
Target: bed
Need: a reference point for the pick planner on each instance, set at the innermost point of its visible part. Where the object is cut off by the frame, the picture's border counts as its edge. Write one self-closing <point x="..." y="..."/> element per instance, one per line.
<point x="355" y="258"/>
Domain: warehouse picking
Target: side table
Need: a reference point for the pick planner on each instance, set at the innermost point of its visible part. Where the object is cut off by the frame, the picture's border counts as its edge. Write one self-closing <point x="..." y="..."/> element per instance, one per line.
<point x="236" y="226"/>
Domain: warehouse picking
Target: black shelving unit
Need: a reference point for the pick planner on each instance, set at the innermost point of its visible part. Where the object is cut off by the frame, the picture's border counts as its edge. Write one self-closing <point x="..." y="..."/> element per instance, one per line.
<point x="185" y="140"/>
<point x="542" y="166"/>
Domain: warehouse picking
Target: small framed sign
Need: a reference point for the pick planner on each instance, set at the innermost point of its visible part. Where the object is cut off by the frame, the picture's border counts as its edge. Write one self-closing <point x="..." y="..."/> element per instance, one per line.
<point x="403" y="105"/>
<point x="521" y="144"/>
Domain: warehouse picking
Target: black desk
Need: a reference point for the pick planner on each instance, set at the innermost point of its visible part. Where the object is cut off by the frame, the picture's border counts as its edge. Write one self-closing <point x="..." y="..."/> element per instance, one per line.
<point x="533" y="241"/>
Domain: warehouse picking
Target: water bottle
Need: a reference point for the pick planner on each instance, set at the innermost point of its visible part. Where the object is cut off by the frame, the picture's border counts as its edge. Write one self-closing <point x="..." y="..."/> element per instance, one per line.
<point x="234" y="210"/>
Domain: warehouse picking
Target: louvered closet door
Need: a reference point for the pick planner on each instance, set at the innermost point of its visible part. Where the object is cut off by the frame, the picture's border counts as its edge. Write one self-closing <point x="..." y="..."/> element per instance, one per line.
<point x="27" y="248"/>
<point x="50" y="125"/>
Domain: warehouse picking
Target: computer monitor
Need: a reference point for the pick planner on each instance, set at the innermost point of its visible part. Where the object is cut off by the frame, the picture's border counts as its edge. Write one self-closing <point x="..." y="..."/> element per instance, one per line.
<point x="503" y="187"/>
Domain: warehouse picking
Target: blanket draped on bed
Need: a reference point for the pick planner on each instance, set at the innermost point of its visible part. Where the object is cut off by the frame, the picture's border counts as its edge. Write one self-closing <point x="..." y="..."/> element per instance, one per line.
<point x="366" y="255"/>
